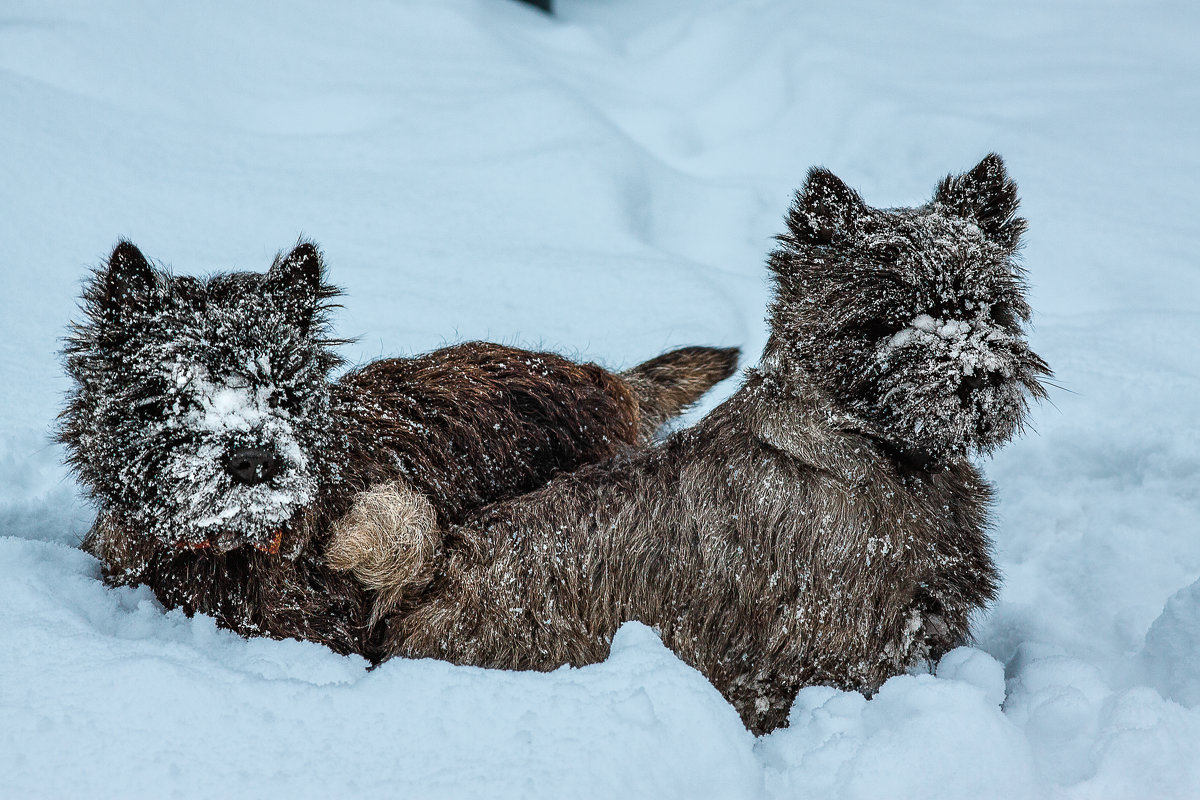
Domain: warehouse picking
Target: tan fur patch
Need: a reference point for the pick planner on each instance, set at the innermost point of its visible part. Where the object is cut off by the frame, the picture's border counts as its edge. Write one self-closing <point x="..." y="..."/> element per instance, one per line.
<point x="388" y="540"/>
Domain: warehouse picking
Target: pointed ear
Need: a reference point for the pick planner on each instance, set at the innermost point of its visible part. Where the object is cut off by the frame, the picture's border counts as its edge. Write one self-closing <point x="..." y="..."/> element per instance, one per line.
<point x="825" y="207"/>
<point x="126" y="283"/>
<point x="297" y="280"/>
<point x="986" y="196"/>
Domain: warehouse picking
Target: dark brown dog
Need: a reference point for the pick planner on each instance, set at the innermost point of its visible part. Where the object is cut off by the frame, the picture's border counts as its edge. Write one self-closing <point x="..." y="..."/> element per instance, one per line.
<point x="204" y="424"/>
<point x="822" y="526"/>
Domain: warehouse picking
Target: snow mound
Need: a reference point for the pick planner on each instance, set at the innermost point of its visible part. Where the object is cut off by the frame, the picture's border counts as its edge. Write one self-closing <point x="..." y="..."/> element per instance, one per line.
<point x="1172" y="652"/>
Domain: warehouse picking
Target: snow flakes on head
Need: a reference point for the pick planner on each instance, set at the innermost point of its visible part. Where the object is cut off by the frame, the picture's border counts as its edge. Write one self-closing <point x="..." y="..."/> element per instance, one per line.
<point x="912" y="319"/>
<point x="175" y="374"/>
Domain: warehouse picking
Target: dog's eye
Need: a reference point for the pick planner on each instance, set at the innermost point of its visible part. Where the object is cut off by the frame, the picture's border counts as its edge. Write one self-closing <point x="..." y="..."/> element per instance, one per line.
<point x="886" y="253"/>
<point x="282" y="397"/>
<point x="149" y="411"/>
<point x="1003" y="316"/>
<point x="879" y="328"/>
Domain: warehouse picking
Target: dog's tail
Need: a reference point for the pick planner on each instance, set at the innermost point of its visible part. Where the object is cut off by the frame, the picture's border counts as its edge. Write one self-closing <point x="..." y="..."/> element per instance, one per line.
<point x="389" y="540"/>
<point x="667" y="385"/>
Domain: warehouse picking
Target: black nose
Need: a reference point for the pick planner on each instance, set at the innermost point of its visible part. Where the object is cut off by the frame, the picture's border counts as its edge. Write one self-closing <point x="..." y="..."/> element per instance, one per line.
<point x="988" y="378"/>
<point x="253" y="466"/>
<point x="972" y="383"/>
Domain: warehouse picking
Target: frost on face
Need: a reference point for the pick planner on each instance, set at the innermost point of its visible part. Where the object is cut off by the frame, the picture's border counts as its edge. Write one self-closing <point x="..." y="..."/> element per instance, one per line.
<point x="200" y="413"/>
<point x="971" y="347"/>
<point x="952" y="379"/>
<point x="221" y="418"/>
<point x="949" y="383"/>
<point x="912" y="318"/>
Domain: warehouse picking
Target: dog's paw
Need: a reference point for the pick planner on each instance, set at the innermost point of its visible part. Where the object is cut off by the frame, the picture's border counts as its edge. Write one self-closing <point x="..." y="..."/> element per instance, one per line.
<point x="387" y="540"/>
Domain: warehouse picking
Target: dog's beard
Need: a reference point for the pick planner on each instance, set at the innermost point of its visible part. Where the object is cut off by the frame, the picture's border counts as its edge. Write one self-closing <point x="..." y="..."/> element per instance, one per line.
<point x="205" y="506"/>
<point x="201" y="503"/>
<point x="941" y="388"/>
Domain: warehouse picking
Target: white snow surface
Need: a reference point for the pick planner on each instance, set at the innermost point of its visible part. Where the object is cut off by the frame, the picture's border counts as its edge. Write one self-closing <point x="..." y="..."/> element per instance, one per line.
<point x="605" y="183"/>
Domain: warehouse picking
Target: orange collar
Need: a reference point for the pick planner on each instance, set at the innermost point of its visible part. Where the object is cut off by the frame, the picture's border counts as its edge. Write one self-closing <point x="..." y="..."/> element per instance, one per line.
<point x="271" y="548"/>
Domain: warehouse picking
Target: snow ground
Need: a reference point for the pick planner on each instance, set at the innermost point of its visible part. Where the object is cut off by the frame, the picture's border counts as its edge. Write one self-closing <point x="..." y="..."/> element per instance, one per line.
<point x="605" y="183"/>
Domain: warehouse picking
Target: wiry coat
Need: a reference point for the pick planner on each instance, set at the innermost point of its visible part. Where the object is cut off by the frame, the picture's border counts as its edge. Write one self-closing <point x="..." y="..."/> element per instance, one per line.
<point x="177" y="376"/>
<point x="822" y="526"/>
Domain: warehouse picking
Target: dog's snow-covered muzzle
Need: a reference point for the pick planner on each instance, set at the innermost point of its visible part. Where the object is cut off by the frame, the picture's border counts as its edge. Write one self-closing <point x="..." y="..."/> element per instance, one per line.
<point x="206" y="502"/>
<point x="953" y="386"/>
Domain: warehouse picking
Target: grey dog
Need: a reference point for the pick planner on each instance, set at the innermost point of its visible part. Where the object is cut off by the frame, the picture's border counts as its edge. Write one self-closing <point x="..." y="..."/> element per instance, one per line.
<point x="823" y="526"/>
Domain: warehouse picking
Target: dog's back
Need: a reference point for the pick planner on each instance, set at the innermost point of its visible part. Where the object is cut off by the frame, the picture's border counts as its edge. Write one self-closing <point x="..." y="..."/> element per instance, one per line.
<point x="480" y="422"/>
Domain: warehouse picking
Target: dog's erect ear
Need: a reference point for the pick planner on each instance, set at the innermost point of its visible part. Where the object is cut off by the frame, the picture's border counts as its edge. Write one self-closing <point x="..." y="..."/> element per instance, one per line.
<point x="825" y="207"/>
<point x="127" y="282"/>
<point x="986" y="196"/>
<point x="296" y="279"/>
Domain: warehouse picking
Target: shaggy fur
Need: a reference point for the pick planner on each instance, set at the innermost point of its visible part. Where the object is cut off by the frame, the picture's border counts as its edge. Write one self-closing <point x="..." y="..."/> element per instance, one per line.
<point x="822" y="526"/>
<point x="205" y="426"/>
